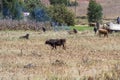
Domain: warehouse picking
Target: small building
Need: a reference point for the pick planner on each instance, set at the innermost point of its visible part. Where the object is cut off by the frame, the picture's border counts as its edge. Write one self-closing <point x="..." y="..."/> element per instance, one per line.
<point x="26" y="14"/>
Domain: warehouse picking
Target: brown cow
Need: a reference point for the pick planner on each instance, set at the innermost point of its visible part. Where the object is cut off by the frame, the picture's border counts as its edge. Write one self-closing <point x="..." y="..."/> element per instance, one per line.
<point x="56" y="42"/>
<point x="103" y="31"/>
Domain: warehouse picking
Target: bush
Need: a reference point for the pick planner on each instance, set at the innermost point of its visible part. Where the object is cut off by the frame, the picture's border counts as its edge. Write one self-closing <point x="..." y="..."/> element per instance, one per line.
<point x="65" y="2"/>
<point x="60" y="14"/>
<point x="56" y="2"/>
<point x="40" y="14"/>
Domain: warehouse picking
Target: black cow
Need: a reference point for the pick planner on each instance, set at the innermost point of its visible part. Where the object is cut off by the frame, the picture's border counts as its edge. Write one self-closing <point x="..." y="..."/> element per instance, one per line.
<point x="25" y="37"/>
<point x="56" y="42"/>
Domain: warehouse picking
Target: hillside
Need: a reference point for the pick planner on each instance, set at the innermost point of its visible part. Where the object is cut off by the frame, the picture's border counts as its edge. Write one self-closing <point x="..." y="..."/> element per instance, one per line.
<point x="111" y="9"/>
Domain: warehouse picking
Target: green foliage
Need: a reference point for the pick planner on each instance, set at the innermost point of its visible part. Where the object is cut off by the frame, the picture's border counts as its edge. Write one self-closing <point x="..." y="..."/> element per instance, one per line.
<point x="55" y="2"/>
<point x="33" y="6"/>
<point x="30" y="5"/>
<point x="65" y="2"/>
<point x="59" y="13"/>
<point x="14" y="7"/>
<point x="73" y="3"/>
<point x="94" y="11"/>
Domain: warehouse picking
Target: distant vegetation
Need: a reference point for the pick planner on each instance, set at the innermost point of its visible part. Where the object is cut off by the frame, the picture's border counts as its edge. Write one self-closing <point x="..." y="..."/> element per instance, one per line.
<point x="55" y="13"/>
<point x="12" y="9"/>
<point x="65" y="2"/>
<point x="60" y="14"/>
<point x="94" y="11"/>
<point x="56" y="2"/>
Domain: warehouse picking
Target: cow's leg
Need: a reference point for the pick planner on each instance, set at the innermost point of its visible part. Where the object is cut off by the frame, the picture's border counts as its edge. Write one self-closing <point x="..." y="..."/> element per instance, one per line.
<point x="52" y="47"/>
<point x="99" y="34"/>
<point x="107" y="35"/>
<point x="63" y="46"/>
<point x="104" y="34"/>
<point x="55" y="46"/>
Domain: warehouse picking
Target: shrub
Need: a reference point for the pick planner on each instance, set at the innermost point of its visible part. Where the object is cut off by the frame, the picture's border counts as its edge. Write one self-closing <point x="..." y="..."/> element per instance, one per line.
<point x="40" y="15"/>
<point x="60" y="14"/>
<point x="55" y="2"/>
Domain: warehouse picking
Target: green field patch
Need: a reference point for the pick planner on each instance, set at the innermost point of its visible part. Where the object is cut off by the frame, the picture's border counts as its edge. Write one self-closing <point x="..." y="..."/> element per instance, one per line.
<point x="81" y="28"/>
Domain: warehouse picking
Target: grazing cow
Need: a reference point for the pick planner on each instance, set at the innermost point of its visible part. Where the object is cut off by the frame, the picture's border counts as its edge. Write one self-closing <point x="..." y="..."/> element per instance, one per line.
<point x="56" y="42"/>
<point x="25" y="37"/>
<point x="103" y="31"/>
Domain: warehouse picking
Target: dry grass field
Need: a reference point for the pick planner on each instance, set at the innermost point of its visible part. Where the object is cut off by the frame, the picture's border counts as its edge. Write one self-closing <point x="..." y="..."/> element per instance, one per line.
<point x="87" y="56"/>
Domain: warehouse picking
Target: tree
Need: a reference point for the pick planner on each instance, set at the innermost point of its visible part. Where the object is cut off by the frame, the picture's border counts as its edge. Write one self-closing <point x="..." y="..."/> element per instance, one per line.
<point x="40" y="14"/>
<point x="94" y="12"/>
<point x="30" y="5"/>
<point x="65" y="2"/>
<point x="55" y="2"/>
<point x="12" y="8"/>
<point x="37" y="10"/>
<point x="1" y="5"/>
<point x="60" y="14"/>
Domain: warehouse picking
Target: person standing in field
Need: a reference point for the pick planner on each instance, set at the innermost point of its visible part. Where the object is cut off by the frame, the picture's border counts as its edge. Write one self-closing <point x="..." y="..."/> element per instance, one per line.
<point x="97" y="25"/>
<point x="118" y="20"/>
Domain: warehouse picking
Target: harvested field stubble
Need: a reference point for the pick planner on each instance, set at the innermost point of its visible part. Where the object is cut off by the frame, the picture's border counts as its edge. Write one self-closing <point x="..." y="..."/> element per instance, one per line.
<point x="85" y="55"/>
<point x="9" y="24"/>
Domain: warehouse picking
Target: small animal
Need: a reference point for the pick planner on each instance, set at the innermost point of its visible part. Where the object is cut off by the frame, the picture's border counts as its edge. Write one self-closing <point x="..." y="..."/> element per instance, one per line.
<point x="56" y="42"/>
<point x="43" y="29"/>
<point x="74" y="31"/>
<point x="25" y="37"/>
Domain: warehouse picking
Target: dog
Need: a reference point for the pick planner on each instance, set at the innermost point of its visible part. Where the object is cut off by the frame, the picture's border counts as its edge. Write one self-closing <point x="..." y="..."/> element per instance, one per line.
<point x="25" y="37"/>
